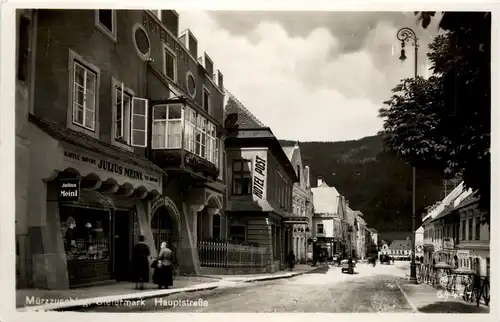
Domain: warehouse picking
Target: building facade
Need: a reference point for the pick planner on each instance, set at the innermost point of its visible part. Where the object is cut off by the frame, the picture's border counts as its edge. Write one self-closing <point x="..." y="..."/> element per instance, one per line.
<point x="302" y="201"/>
<point x="361" y="245"/>
<point x="260" y="186"/>
<point x="120" y="131"/>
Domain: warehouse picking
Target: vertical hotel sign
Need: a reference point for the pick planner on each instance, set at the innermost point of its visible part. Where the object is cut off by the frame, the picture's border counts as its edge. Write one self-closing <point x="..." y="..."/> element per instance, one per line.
<point x="259" y="176"/>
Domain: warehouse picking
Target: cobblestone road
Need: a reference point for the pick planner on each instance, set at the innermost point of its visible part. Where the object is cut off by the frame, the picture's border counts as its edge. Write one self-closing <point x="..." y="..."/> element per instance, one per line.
<point x="372" y="289"/>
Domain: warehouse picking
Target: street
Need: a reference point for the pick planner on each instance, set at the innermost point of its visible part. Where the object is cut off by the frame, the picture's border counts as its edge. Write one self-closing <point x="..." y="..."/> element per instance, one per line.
<point x="370" y="289"/>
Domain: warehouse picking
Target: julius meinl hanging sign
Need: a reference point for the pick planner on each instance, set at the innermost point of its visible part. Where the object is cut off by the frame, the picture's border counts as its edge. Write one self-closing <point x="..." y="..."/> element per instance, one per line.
<point x="111" y="167"/>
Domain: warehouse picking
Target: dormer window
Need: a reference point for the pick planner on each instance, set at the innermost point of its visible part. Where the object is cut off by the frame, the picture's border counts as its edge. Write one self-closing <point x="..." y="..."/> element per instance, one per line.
<point x="105" y="20"/>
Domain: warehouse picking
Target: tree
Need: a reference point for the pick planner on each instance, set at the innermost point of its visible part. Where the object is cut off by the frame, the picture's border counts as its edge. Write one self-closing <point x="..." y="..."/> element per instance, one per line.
<point x="444" y="122"/>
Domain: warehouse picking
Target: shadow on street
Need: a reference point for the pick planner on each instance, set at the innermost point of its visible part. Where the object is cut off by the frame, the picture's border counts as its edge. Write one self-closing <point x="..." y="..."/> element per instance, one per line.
<point x="319" y="270"/>
<point x="452" y="307"/>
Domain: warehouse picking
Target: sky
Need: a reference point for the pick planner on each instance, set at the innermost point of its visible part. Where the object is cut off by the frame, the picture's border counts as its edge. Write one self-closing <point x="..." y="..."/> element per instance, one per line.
<point x="310" y="76"/>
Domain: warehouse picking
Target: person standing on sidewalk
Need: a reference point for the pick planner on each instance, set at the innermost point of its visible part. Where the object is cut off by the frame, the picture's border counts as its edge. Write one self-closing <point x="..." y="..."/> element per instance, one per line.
<point x="140" y="263"/>
<point x="291" y="260"/>
<point x="162" y="275"/>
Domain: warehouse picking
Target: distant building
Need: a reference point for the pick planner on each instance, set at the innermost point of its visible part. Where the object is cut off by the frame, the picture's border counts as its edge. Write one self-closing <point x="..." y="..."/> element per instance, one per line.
<point x="400" y="249"/>
<point x="374" y="235"/>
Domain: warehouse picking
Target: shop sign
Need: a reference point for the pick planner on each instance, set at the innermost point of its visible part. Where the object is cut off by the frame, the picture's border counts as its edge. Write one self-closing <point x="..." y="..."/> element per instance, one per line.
<point x="69" y="189"/>
<point x="114" y="168"/>
<point x="259" y="177"/>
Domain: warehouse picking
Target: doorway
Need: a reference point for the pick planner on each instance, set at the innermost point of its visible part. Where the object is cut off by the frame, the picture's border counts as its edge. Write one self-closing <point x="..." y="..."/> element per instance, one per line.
<point x="122" y="244"/>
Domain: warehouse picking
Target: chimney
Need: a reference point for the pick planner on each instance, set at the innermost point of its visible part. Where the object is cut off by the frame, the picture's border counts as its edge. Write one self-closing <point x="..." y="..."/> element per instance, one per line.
<point x="307" y="177"/>
<point x="170" y="19"/>
<point x="189" y="40"/>
<point x="320" y="181"/>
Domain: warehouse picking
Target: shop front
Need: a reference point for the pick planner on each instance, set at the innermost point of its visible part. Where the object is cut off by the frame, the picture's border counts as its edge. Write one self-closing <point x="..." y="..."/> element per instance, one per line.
<point x="88" y="204"/>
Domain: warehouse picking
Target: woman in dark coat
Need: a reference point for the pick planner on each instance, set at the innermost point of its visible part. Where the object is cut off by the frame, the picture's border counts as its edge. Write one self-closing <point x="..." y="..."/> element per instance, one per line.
<point x="162" y="275"/>
<point x="291" y="260"/>
<point x="140" y="263"/>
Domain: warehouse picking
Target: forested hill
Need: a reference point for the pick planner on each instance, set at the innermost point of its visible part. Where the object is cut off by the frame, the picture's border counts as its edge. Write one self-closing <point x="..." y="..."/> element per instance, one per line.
<point x="375" y="181"/>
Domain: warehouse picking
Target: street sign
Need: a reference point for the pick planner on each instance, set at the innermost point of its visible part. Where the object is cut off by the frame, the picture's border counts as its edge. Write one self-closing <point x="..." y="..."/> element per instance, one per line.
<point x="315" y="239"/>
<point x="69" y="189"/>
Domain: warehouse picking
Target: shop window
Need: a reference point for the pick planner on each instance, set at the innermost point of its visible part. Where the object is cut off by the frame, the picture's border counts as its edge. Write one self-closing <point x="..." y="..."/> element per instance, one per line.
<point x="237" y="234"/>
<point x="169" y="64"/>
<point x="241" y="177"/>
<point x="84" y="96"/>
<point x="320" y="228"/>
<point x="105" y="20"/>
<point x="85" y="234"/>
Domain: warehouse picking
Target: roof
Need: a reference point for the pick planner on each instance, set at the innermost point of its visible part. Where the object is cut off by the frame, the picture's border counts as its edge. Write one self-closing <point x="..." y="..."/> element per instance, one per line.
<point x="447" y="200"/>
<point x="326" y="199"/>
<point x="467" y="197"/>
<point x="400" y="244"/>
<point x="372" y="230"/>
<point x="395" y="235"/>
<point x="289" y="151"/>
<point x="238" y="116"/>
<point x="83" y="141"/>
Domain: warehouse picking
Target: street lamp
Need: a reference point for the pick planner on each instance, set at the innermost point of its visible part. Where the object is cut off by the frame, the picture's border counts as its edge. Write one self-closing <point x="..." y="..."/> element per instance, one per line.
<point x="405" y="35"/>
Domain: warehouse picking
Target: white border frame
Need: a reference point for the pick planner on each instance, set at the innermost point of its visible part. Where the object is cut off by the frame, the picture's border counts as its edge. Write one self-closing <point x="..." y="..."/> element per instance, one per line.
<point x="114" y="141"/>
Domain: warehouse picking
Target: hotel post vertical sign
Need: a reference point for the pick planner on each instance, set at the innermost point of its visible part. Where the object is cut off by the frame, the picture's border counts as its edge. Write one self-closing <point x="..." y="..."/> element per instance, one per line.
<point x="259" y="176"/>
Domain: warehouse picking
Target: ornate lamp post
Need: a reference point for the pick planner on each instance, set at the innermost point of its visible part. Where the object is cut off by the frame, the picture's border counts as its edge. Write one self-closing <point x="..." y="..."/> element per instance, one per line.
<point x="406" y="35"/>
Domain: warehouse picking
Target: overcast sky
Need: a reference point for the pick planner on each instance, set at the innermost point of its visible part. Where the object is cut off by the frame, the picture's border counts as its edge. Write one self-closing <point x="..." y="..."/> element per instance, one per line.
<point x="310" y="76"/>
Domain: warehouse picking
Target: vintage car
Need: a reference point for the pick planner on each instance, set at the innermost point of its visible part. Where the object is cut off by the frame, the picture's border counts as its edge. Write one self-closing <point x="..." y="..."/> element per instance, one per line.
<point x="344" y="265"/>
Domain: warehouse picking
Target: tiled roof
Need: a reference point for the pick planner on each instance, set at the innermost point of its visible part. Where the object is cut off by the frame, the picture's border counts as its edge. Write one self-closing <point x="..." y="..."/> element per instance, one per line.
<point x="94" y="145"/>
<point x="372" y="230"/>
<point x="326" y="199"/>
<point x="400" y="244"/>
<point x="395" y="235"/>
<point x="238" y="116"/>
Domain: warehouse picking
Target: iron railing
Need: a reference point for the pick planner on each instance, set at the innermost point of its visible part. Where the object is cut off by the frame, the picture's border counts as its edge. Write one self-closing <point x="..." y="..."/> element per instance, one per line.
<point x="226" y="255"/>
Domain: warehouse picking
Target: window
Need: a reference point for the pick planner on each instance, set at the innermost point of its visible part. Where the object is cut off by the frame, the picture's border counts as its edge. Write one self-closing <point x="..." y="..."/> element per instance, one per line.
<point x="206" y="99"/>
<point x="23" y="48"/>
<point x="167" y="126"/>
<point x="211" y="142"/>
<point x="201" y="136"/>
<point x="123" y="102"/>
<point x="190" y="130"/>
<point x="242" y="183"/>
<point x="84" y="100"/>
<point x="470" y="228"/>
<point x="216" y="226"/>
<point x="463" y="229"/>
<point x="105" y="20"/>
<point x="478" y="227"/>
<point x="487" y="266"/>
<point x="298" y="172"/>
<point x="170" y="64"/>
<point x="319" y="228"/>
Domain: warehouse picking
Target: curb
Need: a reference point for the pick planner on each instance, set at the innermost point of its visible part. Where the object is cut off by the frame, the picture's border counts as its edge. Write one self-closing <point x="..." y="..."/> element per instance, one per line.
<point x="269" y="278"/>
<point x="113" y="300"/>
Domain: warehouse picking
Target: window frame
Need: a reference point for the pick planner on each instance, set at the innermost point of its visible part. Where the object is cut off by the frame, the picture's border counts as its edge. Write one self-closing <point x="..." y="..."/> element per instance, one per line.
<point x="209" y="103"/>
<point x="123" y="143"/>
<point x="111" y="34"/>
<point x="72" y="58"/>
<point x="166" y="49"/>
<point x="167" y="122"/>
<point x="322" y="228"/>
<point x="241" y="176"/>
<point x="470" y="226"/>
<point x="245" y="231"/>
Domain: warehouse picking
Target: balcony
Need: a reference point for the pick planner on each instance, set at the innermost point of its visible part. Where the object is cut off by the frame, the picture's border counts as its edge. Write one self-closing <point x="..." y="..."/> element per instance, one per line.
<point x="184" y="140"/>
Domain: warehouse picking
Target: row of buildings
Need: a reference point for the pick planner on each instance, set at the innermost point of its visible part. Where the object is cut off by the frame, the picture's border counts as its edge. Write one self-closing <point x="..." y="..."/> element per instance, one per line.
<point x="455" y="231"/>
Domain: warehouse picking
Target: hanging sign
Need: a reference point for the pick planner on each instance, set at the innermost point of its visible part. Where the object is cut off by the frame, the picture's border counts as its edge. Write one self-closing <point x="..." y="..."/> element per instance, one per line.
<point x="69" y="189"/>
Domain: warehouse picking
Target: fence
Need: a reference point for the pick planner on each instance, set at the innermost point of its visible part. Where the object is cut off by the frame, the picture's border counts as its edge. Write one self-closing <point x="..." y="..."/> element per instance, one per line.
<point x="226" y="255"/>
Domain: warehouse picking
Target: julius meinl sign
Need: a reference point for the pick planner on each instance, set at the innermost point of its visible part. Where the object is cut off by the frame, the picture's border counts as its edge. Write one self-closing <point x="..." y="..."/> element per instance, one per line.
<point x="69" y="189"/>
<point x="259" y="177"/>
<point x="111" y="167"/>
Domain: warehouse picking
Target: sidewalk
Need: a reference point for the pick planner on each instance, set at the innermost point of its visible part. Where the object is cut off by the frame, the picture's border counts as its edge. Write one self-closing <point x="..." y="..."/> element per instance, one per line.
<point x="116" y="293"/>
<point x="424" y="298"/>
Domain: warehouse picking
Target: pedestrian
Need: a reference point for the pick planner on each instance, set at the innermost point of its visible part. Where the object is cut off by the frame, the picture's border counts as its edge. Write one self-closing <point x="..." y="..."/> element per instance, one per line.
<point x="291" y="260"/>
<point x="140" y="263"/>
<point x="350" y="268"/>
<point x="162" y="275"/>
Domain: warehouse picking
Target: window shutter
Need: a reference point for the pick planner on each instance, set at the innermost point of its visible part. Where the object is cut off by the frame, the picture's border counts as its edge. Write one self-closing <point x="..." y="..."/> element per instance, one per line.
<point x="139" y="122"/>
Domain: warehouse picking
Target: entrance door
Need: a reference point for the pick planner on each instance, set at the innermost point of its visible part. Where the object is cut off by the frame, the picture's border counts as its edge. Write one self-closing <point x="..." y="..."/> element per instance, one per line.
<point x="123" y="245"/>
